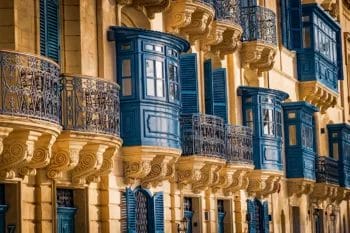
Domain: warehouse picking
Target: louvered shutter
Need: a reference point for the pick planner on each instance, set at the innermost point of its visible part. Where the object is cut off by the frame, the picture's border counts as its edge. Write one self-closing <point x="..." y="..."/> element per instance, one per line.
<point x="219" y="93"/>
<point x="158" y="212"/>
<point x="189" y="86"/>
<point x="295" y="24"/>
<point x="266" y="219"/>
<point x="284" y="23"/>
<point x="208" y="87"/>
<point x="251" y="216"/>
<point x="49" y="29"/>
<point x="131" y="210"/>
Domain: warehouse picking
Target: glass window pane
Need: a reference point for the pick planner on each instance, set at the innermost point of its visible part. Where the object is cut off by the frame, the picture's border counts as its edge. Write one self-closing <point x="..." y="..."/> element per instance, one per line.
<point x="160" y="88"/>
<point x="249" y="113"/>
<point x="306" y="37"/>
<point x="158" y="49"/>
<point x="150" y="87"/>
<point x="149" y="68"/>
<point x="291" y="115"/>
<point x="159" y="69"/>
<point x="126" y="68"/>
<point x="292" y="134"/>
<point x="335" y="151"/>
<point x="149" y="47"/>
<point x="172" y="92"/>
<point x="171" y="72"/>
<point x="127" y="89"/>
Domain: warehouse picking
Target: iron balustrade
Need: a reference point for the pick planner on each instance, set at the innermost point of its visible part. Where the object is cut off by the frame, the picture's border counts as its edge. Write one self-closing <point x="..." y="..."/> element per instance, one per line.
<point x="327" y="170"/>
<point x="207" y="2"/>
<point x="30" y="86"/>
<point x="259" y="24"/>
<point x="90" y="104"/>
<point x="203" y="135"/>
<point x="239" y="144"/>
<point x="227" y="10"/>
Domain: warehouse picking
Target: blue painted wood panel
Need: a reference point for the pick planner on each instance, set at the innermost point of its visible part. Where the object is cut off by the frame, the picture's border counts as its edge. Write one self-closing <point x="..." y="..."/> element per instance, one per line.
<point x="66" y="219"/>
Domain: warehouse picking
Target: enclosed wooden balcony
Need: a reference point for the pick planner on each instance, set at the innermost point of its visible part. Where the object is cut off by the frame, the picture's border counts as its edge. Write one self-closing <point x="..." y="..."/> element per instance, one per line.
<point x="29" y="112"/>
<point x="190" y="19"/>
<point x="259" y="38"/>
<point x="90" y="136"/>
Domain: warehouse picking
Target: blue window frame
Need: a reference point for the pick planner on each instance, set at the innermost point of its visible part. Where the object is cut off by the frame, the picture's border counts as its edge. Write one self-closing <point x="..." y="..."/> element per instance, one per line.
<point x="221" y="216"/>
<point x="50" y="29"/>
<point x="154" y="74"/>
<point x="188" y="213"/>
<point x="299" y="130"/>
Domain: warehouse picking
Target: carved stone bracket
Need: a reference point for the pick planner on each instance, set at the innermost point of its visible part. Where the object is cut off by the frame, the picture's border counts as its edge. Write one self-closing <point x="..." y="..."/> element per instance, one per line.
<point x="332" y="7"/>
<point x="323" y="191"/>
<point x="240" y="181"/>
<point x="298" y="187"/>
<point x="190" y="19"/>
<point x="199" y="172"/>
<point x="318" y="95"/>
<point x="263" y="183"/>
<point x="150" y="165"/>
<point x="231" y="39"/>
<point x="151" y="6"/>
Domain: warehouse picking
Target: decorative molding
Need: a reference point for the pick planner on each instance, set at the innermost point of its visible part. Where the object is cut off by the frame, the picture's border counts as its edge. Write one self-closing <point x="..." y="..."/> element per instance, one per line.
<point x="298" y="187"/>
<point x="332" y="6"/>
<point x="240" y="181"/>
<point x="324" y="192"/>
<point x="151" y="6"/>
<point x="317" y="94"/>
<point x="262" y="183"/>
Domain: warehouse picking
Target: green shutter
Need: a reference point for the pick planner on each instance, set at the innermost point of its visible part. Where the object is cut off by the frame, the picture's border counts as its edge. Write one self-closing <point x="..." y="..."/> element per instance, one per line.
<point x="189" y="85"/>
<point x="266" y="220"/>
<point x="219" y="93"/>
<point x="208" y="87"/>
<point x="131" y="210"/>
<point x="49" y="29"/>
<point x="158" y="212"/>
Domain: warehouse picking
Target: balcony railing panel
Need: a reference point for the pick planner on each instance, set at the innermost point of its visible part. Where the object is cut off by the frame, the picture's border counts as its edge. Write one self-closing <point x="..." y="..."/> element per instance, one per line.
<point x="207" y="2"/>
<point x="203" y="135"/>
<point x="239" y="144"/>
<point x="90" y="104"/>
<point x="327" y="170"/>
<point x="259" y="24"/>
<point x="227" y="10"/>
<point x="30" y="86"/>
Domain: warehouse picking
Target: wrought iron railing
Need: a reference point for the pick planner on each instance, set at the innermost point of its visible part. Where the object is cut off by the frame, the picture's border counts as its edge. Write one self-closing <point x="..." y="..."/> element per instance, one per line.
<point x="90" y="104"/>
<point x="207" y="2"/>
<point x="259" y="24"/>
<point x="203" y="135"/>
<point x="327" y="170"/>
<point x="30" y="86"/>
<point x="239" y="144"/>
<point x="227" y="10"/>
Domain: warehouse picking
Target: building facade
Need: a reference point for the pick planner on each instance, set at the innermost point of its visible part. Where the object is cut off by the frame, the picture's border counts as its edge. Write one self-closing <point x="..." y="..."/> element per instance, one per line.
<point x="151" y="116"/>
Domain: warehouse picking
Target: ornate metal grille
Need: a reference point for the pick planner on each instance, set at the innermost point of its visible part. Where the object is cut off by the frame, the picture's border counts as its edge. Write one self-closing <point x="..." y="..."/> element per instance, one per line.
<point x="239" y="144"/>
<point x="258" y="23"/>
<point x="207" y="2"/>
<point x="203" y="135"/>
<point x="327" y="170"/>
<point x="227" y="10"/>
<point x="141" y="213"/>
<point x="30" y="86"/>
<point x="65" y="198"/>
<point x="90" y="104"/>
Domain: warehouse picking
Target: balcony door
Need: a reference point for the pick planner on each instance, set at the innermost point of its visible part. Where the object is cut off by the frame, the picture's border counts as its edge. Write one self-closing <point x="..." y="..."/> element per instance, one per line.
<point x="318" y="220"/>
<point x="65" y="211"/>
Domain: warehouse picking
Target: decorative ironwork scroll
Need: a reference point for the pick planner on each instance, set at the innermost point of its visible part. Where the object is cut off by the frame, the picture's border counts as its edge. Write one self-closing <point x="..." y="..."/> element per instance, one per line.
<point x="227" y="10"/>
<point x="239" y="144"/>
<point x="30" y="86"/>
<point x="90" y="104"/>
<point x="259" y="24"/>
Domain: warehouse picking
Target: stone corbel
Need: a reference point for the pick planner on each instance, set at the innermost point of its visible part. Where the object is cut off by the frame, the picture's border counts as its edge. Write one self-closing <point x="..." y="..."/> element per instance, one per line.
<point x="42" y="155"/>
<point x="209" y="176"/>
<point x="178" y="16"/>
<point x="240" y="181"/>
<point x="4" y="133"/>
<point x="332" y="7"/>
<point x="323" y="191"/>
<point x="199" y="28"/>
<point x="230" y="43"/>
<point x="261" y="184"/>
<point x="299" y="187"/>
<point x="18" y="151"/>
<point x="65" y="156"/>
<point x="90" y="161"/>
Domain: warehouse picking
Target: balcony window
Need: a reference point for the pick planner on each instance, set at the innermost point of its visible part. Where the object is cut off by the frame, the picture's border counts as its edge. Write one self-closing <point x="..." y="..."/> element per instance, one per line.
<point x="126" y="78"/>
<point x="154" y="76"/>
<point x="174" y="91"/>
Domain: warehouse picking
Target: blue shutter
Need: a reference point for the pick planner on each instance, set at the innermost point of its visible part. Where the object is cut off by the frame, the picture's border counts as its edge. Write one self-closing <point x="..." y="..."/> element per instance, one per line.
<point x="219" y="93"/>
<point x="295" y="24"/>
<point x="284" y="22"/>
<point x="131" y="210"/>
<point x="49" y="29"/>
<point x="266" y="217"/>
<point x="208" y="87"/>
<point x="158" y="212"/>
<point x="189" y="86"/>
<point x="251" y="216"/>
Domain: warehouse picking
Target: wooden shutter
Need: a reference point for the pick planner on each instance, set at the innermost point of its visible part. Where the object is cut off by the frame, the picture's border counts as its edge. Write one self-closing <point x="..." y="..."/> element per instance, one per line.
<point x="219" y="93"/>
<point x="131" y="210"/>
<point x="295" y="24"/>
<point x="189" y="85"/>
<point x="49" y="29"/>
<point x="296" y="219"/>
<point x="208" y="87"/>
<point x="266" y="218"/>
<point x="158" y="212"/>
<point x="251" y="216"/>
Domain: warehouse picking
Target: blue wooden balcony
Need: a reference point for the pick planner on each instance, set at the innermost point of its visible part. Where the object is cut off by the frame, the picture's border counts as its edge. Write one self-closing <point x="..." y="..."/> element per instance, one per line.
<point x="90" y="104"/>
<point x="30" y="86"/>
<point x="259" y="24"/>
<point x="239" y="144"/>
<point x="327" y="170"/>
<point x="203" y="135"/>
